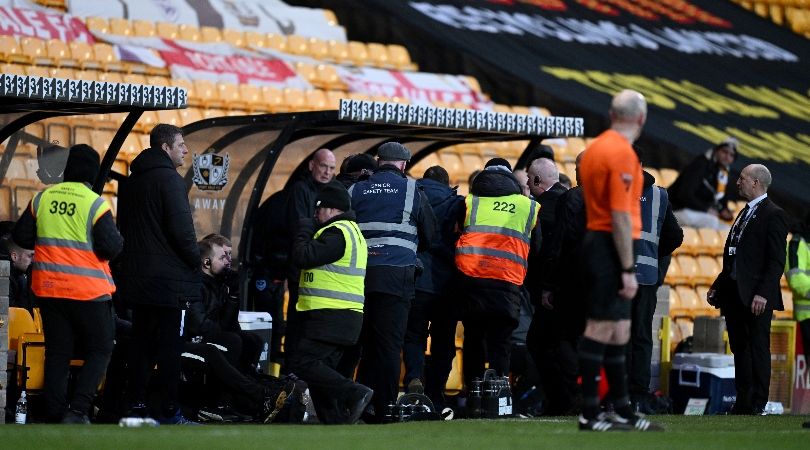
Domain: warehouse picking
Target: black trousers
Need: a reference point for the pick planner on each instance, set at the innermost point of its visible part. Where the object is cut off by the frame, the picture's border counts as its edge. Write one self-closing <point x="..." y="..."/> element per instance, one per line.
<point x="66" y="323"/>
<point x="248" y="393"/>
<point x="486" y="338"/>
<point x="804" y="329"/>
<point x="750" y="339"/>
<point x="315" y="361"/>
<point x="442" y="350"/>
<point x="413" y="350"/>
<point x="155" y="339"/>
<point x="385" y="318"/>
<point x="244" y="348"/>
<point x="639" y="349"/>
<point x="293" y="327"/>
<point x="270" y="298"/>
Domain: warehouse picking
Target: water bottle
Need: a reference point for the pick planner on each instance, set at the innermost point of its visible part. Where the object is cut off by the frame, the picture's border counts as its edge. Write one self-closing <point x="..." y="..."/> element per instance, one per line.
<point x="136" y="422"/>
<point x="21" y="413"/>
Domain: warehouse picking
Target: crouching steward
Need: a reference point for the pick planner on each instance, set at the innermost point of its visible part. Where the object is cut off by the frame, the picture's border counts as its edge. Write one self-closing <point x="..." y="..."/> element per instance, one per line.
<point x="330" y="303"/>
<point x="73" y="235"/>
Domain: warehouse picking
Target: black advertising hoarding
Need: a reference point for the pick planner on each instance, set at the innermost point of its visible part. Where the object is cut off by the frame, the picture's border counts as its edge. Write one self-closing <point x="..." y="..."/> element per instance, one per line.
<point x="708" y="68"/>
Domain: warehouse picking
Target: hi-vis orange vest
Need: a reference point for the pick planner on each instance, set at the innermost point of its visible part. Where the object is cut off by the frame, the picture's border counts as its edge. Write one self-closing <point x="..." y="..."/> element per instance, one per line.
<point x="65" y="265"/>
<point x="495" y="241"/>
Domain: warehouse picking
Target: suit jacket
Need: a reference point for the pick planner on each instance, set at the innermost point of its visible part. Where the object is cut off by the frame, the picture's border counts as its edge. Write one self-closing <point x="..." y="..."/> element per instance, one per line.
<point x="760" y="259"/>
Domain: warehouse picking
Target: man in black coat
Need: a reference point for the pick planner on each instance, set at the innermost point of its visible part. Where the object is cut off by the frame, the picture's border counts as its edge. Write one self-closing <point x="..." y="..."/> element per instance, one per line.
<point x="19" y="289"/>
<point x="158" y="271"/>
<point x="747" y="290"/>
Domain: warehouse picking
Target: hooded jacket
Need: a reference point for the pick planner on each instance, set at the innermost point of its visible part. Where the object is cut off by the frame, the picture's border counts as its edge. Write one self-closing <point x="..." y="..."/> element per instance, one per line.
<point x="160" y="264"/>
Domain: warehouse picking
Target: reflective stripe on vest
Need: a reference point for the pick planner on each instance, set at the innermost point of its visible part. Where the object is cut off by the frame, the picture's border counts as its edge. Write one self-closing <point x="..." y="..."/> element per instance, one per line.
<point x="653" y="210"/>
<point x="495" y="241"/>
<point x="390" y="233"/>
<point x="340" y="284"/>
<point x="65" y="265"/>
<point x="797" y="271"/>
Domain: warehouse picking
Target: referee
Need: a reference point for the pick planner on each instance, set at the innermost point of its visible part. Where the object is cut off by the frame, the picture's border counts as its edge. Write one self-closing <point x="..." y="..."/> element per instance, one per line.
<point x="612" y="188"/>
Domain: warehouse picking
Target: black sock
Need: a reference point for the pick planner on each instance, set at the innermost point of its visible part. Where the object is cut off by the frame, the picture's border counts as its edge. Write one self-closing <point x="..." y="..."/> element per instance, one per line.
<point x="616" y="371"/>
<point x="591" y="354"/>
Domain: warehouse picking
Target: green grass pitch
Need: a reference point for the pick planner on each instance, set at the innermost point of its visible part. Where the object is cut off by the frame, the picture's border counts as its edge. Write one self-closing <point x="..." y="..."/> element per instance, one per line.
<point x="692" y="432"/>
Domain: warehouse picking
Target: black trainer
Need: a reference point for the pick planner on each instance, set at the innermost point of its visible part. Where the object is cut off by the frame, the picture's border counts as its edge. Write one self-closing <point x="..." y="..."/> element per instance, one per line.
<point x="357" y="402"/>
<point x="74" y="417"/>
<point x="602" y="423"/>
<point x="637" y="422"/>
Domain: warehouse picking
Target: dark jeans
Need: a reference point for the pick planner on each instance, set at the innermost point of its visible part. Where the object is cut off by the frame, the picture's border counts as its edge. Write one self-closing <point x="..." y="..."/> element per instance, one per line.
<point x="155" y="339"/>
<point x="442" y="350"/>
<point x="639" y="349"/>
<point x="413" y="351"/>
<point x="385" y="318"/>
<point x="248" y="393"/>
<point x="486" y="338"/>
<point x="750" y="338"/>
<point x="314" y="362"/>
<point x="66" y="323"/>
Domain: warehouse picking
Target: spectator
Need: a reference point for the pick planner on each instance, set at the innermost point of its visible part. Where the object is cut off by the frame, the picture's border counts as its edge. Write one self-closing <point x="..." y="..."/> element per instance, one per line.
<point x="699" y="196"/>
<point x="396" y="220"/>
<point x="565" y="181"/>
<point x="660" y="236"/>
<point x="19" y="289"/>
<point x="159" y="267"/>
<point x="215" y="318"/>
<point x="434" y="302"/>
<point x="301" y="205"/>
<point x="333" y="261"/>
<point x="545" y="332"/>
<point x="747" y="289"/>
<point x="613" y="186"/>
<point x="492" y="255"/>
<point x="354" y="167"/>
<point x="72" y="232"/>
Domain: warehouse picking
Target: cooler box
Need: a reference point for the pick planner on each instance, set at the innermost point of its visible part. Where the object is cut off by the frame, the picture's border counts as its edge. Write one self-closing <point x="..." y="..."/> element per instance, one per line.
<point x="703" y="375"/>
<point x="260" y="323"/>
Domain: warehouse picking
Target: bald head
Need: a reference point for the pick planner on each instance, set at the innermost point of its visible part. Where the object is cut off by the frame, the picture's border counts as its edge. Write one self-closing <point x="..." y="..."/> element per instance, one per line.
<point x="628" y="112"/>
<point x="322" y="166"/>
<point x="543" y="174"/>
<point x="754" y="181"/>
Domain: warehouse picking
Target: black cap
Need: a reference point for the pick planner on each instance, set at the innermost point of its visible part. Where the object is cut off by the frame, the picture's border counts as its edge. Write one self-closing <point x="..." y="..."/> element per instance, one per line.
<point x="360" y="161"/>
<point x="494" y="162"/>
<point x="393" y="151"/>
<point x="333" y="195"/>
<point x="83" y="164"/>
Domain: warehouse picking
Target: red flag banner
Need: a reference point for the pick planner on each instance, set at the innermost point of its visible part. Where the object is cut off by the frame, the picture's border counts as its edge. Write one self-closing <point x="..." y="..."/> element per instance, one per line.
<point x="44" y="25"/>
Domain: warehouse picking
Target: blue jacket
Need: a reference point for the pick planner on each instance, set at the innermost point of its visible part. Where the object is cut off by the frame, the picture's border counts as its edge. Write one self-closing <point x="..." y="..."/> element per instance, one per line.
<point x="438" y="261"/>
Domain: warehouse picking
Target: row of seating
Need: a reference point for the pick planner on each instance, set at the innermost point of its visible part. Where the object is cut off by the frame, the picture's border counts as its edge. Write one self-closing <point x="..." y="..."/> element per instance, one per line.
<point x="794" y="14"/>
<point x="688" y="301"/>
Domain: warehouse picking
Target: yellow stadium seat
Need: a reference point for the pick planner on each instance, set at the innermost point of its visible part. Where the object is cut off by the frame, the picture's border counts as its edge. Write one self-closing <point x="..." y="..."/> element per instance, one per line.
<point x="689" y="300"/>
<point x="331" y="18"/>
<point x="35" y="50"/>
<point x="297" y="44"/>
<point x="134" y="78"/>
<point x="378" y="54"/>
<point x="110" y="77"/>
<point x="229" y="96"/>
<point x="233" y="37"/>
<point x="318" y="48"/>
<point x="82" y="52"/>
<point x="275" y="42"/>
<point x="274" y="99"/>
<point x="10" y="50"/>
<point x="206" y="92"/>
<point x="327" y="77"/>
<point x="316" y="100"/>
<point x="13" y="69"/>
<point x="254" y="39"/>
<point x="147" y="121"/>
<point x="707" y="269"/>
<point x="169" y="116"/>
<point x="100" y="139"/>
<point x="188" y="32"/>
<point x="98" y="25"/>
<point x="105" y="55"/>
<point x="189" y="115"/>
<point x="307" y="71"/>
<point x="711" y="241"/>
<point x="167" y="30"/>
<point x="132" y="146"/>
<point x="691" y="242"/>
<point x="210" y="34"/>
<point x="31" y="361"/>
<point x="212" y="112"/>
<point x="399" y="57"/>
<point x="358" y="53"/>
<point x="689" y="268"/>
<point x="674" y="275"/>
<point x="455" y="381"/>
<point x="120" y="26"/>
<point x="294" y="99"/>
<point x="668" y="176"/>
<point x="333" y="98"/>
<point x="144" y="28"/>
<point x="338" y="51"/>
<point x="252" y="96"/>
<point x="451" y="161"/>
<point x="37" y="71"/>
<point x="62" y="72"/>
<point x="158" y="80"/>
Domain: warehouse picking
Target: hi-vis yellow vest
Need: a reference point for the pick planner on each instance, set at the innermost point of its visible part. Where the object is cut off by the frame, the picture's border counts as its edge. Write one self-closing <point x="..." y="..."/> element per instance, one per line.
<point x="339" y="285"/>
<point x="65" y="265"/>
<point x="797" y="269"/>
<point x="495" y="241"/>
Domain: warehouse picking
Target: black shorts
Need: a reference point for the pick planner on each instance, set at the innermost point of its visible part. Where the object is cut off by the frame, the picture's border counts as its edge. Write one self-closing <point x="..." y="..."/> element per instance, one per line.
<point x="603" y="278"/>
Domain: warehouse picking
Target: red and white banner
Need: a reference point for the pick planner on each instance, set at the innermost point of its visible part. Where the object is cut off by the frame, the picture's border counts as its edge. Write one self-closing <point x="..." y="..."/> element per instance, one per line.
<point x="216" y="63"/>
<point x="43" y="25"/>
<point x="418" y="87"/>
<point x="266" y="16"/>
<point x="801" y="379"/>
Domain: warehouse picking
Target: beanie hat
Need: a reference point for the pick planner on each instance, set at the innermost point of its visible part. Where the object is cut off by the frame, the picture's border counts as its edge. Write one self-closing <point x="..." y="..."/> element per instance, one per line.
<point x="360" y="161"/>
<point x="498" y="164"/>
<point x="333" y="195"/>
<point x="83" y="164"/>
<point x="393" y="151"/>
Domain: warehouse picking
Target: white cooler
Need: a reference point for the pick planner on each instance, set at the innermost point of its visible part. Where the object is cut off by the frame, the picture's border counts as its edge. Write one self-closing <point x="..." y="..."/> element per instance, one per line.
<point x="260" y="323"/>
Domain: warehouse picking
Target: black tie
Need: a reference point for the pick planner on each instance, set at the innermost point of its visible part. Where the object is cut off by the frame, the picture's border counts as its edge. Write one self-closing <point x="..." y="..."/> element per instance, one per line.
<point x="737" y="229"/>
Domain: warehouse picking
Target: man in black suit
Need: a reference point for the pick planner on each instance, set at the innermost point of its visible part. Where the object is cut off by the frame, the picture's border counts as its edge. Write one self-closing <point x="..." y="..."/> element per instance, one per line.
<point x="747" y="290"/>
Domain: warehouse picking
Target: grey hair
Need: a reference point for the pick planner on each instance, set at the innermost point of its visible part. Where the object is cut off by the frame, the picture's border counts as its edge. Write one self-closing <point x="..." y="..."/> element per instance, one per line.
<point x="761" y="173"/>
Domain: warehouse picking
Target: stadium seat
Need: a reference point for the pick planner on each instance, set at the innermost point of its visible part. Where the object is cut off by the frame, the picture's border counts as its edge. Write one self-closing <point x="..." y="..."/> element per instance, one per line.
<point x="206" y="92"/>
<point x="358" y="53"/>
<point x="82" y="52"/>
<point x="87" y="75"/>
<point x="399" y="57"/>
<point x="252" y="96"/>
<point x="318" y="48"/>
<point x="297" y="44"/>
<point x="110" y="77"/>
<point x="455" y="381"/>
<point x="306" y="71"/>
<point x="120" y="26"/>
<point x="689" y="302"/>
<point x="233" y="37"/>
<point x="167" y="30"/>
<point x="144" y="28"/>
<point x="158" y="80"/>
<point x="230" y="97"/>
<point x="689" y="268"/>
<point x="134" y="78"/>
<point x="37" y="71"/>
<point x="188" y="115"/>
<point x="273" y="97"/>
<point x="275" y="42"/>
<point x="10" y="50"/>
<point x="333" y="97"/>
<point x="35" y="50"/>
<point x="452" y="162"/>
<point x="98" y="25"/>
<point x="673" y="275"/>
<point x="707" y="269"/>
<point x="331" y="18"/>
<point x="189" y="33"/>
<point x="711" y="242"/>
<point x="338" y="51"/>
<point x="169" y="116"/>
<point x="254" y="39"/>
<point x="327" y="77"/>
<point x="654" y="172"/>
<point x="210" y="34"/>
<point x="294" y="99"/>
<point x="105" y="55"/>
<point x="668" y="176"/>
<point x="691" y="242"/>
<point x="316" y="100"/>
<point x="378" y="54"/>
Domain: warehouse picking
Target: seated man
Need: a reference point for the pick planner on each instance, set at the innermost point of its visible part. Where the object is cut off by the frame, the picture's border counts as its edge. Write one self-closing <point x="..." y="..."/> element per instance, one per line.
<point x="699" y="195"/>
<point x="19" y="290"/>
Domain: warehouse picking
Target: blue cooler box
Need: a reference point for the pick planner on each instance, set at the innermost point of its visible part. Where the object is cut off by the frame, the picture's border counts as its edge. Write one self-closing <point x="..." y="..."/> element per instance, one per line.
<point x="260" y="323"/>
<point x="691" y="379"/>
